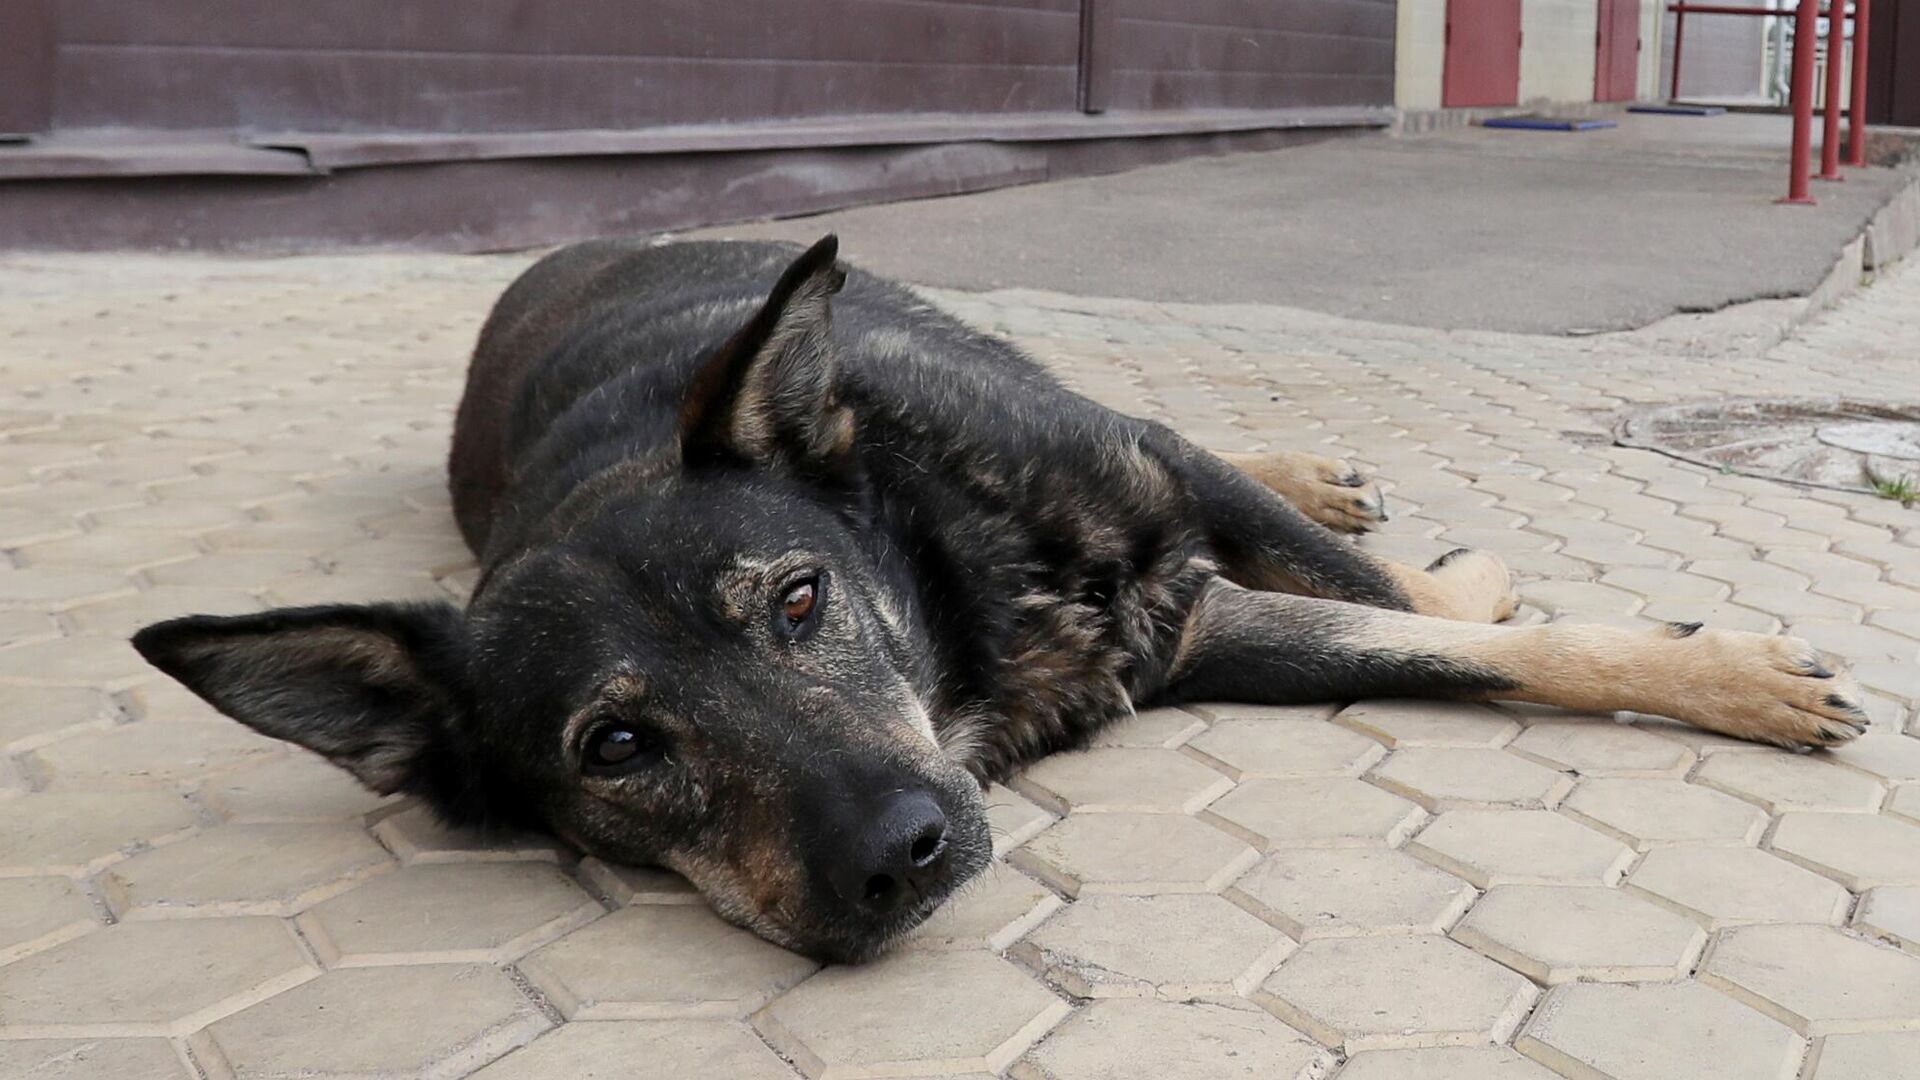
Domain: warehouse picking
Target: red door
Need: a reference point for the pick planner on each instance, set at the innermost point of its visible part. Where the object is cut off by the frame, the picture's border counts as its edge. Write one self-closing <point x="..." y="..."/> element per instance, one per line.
<point x="1616" y="65"/>
<point x="1483" y="53"/>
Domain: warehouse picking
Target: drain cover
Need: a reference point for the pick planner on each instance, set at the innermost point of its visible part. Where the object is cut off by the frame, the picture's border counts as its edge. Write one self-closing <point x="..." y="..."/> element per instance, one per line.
<point x="1850" y="445"/>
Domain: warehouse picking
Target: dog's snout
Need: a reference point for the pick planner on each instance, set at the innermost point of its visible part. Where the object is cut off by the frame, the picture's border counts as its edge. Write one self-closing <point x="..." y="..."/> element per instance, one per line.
<point x="895" y="857"/>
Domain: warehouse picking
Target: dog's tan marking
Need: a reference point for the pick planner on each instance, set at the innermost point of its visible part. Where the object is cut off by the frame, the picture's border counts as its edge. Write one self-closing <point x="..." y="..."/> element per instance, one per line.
<point x="1466" y="585"/>
<point x="1328" y="491"/>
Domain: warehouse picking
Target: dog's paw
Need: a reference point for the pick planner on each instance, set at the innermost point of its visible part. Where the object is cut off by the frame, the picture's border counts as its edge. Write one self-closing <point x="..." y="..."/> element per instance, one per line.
<point x="1476" y="585"/>
<point x="1336" y="495"/>
<point x="1767" y="688"/>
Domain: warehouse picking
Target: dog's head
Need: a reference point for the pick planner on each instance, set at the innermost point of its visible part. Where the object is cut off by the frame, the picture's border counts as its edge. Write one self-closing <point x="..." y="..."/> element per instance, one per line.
<point x="702" y="663"/>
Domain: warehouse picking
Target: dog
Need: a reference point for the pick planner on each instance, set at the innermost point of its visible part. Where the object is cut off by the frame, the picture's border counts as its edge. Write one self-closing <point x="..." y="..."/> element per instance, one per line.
<point x="781" y="565"/>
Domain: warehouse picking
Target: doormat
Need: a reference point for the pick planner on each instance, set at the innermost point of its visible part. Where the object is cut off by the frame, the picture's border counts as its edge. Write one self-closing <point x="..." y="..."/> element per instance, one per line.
<point x="1549" y="123"/>
<point x="1679" y="110"/>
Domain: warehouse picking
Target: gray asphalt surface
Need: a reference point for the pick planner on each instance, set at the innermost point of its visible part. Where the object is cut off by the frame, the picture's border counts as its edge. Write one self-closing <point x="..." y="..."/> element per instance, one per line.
<point x="1505" y="230"/>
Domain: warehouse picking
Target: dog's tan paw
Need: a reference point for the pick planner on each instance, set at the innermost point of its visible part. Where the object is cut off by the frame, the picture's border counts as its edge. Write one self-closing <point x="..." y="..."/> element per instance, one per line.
<point x="1475" y="585"/>
<point x="1769" y="689"/>
<point x="1332" y="492"/>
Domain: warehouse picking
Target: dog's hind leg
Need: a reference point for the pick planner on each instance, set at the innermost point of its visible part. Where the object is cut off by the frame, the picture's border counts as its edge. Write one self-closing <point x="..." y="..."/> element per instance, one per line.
<point x="1326" y="490"/>
<point x="1271" y="648"/>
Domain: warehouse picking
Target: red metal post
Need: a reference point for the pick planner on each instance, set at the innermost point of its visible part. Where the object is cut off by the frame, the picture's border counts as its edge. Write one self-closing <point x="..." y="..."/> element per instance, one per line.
<point x="1830" y="116"/>
<point x="1857" y="101"/>
<point x="1679" y="38"/>
<point x="1805" y="31"/>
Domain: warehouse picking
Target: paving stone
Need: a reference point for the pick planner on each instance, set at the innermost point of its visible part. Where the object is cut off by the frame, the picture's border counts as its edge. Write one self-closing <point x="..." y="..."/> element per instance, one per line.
<point x="1905" y="802"/>
<point x="1401" y="724"/>
<point x="417" y="836"/>
<point x="992" y="912"/>
<point x="1247" y="749"/>
<point x="37" y="715"/>
<point x="1780" y="782"/>
<point x="1892" y="913"/>
<point x="1670" y="584"/>
<point x="1655" y="1032"/>
<point x="1315" y="813"/>
<point x="662" y="961"/>
<point x="122" y="615"/>
<point x="670" y="1048"/>
<point x="1444" y="1063"/>
<point x="1366" y="993"/>
<point x="912" y="1013"/>
<point x="1879" y="1055"/>
<point x="151" y="754"/>
<point x="1656" y="812"/>
<point x="637" y="884"/>
<point x="1350" y="891"/>
<point x="244" y="870"/>
<point x="1175" y="946"/>
<point x="1815" y="979"/>
<point x="40" y="912"/>
<point x="297" y="786"/>
<point x="109" y="549"/>
<point x="1014" y="819"/>
<point x="1222" y="1039"/>
<point x="1600" y="746"/>
<point x="149" y="978"/>
<point x="64" y="833"/>
<point x="1720" y="616"/>
<point x="448" y="913"/>
<point x="97" y="660"/>
<point x="1584" y="597"/>
<point x="1733" y="886"/>
<point x="1856" y="642"/>
<point x="1447" y="778"/>
<point x="92" y="1059"/>
<point x="1558" y="934"/>
<point x="404" y="1021"/>
<point x="1121" y="780"/>
<point x="1163" y="728"/>
<point x="1520" y="847"/>
<point x="1859" y="851"/>
<point x="1138" y="854"/>
<point x="1883" y="753"/>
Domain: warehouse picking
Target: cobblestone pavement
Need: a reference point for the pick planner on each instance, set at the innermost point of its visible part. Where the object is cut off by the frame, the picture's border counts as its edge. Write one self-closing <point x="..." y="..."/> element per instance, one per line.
<point x="1392" y="890"/>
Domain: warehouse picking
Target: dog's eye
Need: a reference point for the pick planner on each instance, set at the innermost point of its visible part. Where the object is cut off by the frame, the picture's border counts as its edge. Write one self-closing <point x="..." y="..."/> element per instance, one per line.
<point x="799" y="607"/>
<point x="617" y="749"/>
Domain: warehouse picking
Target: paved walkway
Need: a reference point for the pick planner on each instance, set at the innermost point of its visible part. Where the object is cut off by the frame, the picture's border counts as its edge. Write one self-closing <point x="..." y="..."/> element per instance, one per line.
<point x="1392" y="890"/>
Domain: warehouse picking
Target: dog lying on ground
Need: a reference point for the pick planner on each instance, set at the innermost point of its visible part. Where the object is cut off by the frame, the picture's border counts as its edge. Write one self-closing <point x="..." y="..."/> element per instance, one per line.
<point x="772" y="583"/>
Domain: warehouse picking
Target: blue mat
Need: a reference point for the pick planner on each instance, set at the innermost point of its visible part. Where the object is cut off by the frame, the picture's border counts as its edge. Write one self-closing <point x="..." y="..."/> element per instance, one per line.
<point x="1547" y="123"/>
<point x="1679" y="110"/>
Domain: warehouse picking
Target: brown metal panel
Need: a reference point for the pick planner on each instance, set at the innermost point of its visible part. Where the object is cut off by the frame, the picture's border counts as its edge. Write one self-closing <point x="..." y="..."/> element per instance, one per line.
<point x="26" y="65"/>
<point x="1097" y="23"/>
<point x="1893" y="64"/>
<point x="1251" y="53"/>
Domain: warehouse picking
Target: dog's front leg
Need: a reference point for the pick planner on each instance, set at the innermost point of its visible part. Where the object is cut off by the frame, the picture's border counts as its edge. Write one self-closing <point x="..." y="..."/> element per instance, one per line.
<point x="1271" y="648"/>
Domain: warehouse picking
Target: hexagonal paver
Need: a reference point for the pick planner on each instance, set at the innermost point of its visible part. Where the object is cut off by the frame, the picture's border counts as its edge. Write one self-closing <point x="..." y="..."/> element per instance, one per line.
<point x="1349" y="891"/>
<point x="447" y="913"/>
<point x="1444" y="1063"/>
<point x="1162" y="728"/>
<point x="1733" y="886"/>
<point x="1014" y="819"/>
<point x="1520" y="847"/>
<point x="395" y="1021"/>
<point x="1645" y="812"/>
<point x="297" y="787"/>
<point x="1892" y="913"/>
<point x="1228" y="1040"/>
<point x="1134" y="853"/>
<point x="1365" y="993"/>
<point x="1315" y="813"/>
<point x="69" y="833"/>
<point x="1656" y="1032"/>
<point x="1855" y="641"/>
<point x="1781" y="782"/>
<point x="1905" y="802"/>
<point x="1245" y="749"/>
<point x="1601" y="746"/>
<point x="40" y="912"/>
<point x="1177" y="946"/>
<point x="149" y="978"/>
<point x="1884" y="753"/>
<point x="1556" y="934"/>
<point x="1121" y="780"/>
<point x="1447" y="778"/>
<point x="1429" y="723"/>
<point x="911" y="1013"/>
<point x="623" y="884"/>
<point x="1817" y="980"/>
<point x="150" y="753"/>
<point x="92" y="1059"/>
<point x="1859" y="851"/>
<point x="1879" y="1055"/>
<point x="662" y="961"/>
<point x="244" y="870"/>
<point x="417" y="836"/>
<point x="36" y="715"/>
<point x="991" y="912"/>
<point x="605" y="1051"/>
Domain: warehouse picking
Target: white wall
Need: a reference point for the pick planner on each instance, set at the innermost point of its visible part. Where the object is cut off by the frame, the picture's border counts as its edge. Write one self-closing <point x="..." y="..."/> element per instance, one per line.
<point x="1556" y="49"/>
<point x="1420" y="52"/>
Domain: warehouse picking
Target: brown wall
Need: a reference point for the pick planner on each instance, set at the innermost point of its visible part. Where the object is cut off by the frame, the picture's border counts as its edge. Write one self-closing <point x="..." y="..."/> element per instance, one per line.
<point x="1251" y="54"/>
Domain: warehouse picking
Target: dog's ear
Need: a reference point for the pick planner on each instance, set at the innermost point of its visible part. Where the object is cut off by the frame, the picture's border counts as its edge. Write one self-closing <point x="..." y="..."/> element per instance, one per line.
<point x="768" y="395"/>
<point x="375" y="689"/>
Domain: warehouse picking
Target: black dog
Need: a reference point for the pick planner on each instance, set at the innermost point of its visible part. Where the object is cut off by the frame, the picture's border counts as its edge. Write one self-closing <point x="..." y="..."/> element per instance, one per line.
<point x="768" y="594"/>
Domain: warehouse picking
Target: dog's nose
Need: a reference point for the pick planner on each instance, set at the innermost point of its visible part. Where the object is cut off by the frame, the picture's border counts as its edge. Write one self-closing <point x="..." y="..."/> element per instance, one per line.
<point x="893" y="857"/>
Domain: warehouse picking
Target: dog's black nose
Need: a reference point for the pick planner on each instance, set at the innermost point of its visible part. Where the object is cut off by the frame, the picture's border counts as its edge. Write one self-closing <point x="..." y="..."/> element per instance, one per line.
<point x="895" y="856"/>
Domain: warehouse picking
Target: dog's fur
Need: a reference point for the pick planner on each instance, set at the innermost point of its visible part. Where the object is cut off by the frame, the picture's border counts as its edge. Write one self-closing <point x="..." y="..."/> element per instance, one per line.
<point x="654" y="453"/>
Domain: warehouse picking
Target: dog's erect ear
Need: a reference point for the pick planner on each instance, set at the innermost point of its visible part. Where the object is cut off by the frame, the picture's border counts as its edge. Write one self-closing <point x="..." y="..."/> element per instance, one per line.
<point x="371" y="688"/>
<point x="767" y="396"/>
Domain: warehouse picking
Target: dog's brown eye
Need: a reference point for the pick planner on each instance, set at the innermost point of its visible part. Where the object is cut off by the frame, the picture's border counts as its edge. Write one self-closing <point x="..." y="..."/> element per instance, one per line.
<point x="615" y="749"/>
<point x="799" y="601"/>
